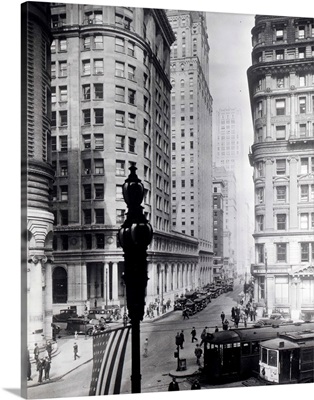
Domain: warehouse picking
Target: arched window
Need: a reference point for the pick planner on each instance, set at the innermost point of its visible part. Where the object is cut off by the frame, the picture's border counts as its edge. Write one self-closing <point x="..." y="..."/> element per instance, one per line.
<point x="59" y="285"/>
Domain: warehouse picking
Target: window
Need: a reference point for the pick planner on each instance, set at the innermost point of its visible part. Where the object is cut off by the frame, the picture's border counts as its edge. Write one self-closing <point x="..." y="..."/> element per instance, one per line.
<point x="279" y="34"/>
<point x="120" y="118"/>
<point x="87" y="192"/>
<point x="304" y="221"/>
<point x="260" y="195"/>
<point x="260" y="223"/>
<point x="120" y="215"/>
<point x="87" y="167"/>
<point x="302" y="52"/>
<point x="53" y="95"/>
<point x="260" y="253"/>
<point x="99" y="216"/>
<point x="63" y="93"/>
<point x="301" y="33"/>
<point x="87" y="216"/>
<point x="64" y="242"/>
<point x="86" y="43"/>
<point x="98" y="42"/>
<point x="302" y="130"/>
<point x="64" y="217"/>
<point x="131" y="96"/>
<point x="86" y="67"/>
<point x="260" y="169"/>
<point x="53" y="70"/>
<point x="86" y="117"/>
<point x="280" y="167"/>
<point x="99" y="141"/>
<point x="119" y="193"/>
<point x="98" y="91"/>
<point x="62" y="45"/>
<point x="64" y="192"/>
<point x="99" y="191"/>
<point x="280" y="132"/>
<point x="304" y="165"/>
<point x="99" y="166"/>
<point x="259" y="135"/>
<point x="123" y="21"/>
<point x="131" y="121"/>
<point x="86" y="92"/>
<point x="63" y="168"/>
<point x="279" y="55"/>
<point x="280" y="107"/>
<point x="302" y="105"/>
<point x="88" y="241"/>
<point x="120" y="168"/>
<point x="98" y="67"/>
<point x="99" y="115"/>
<point x="131" y="49"/>
<point x="53" y="46"/>
<point x="281" y="194"/>
<point x="302" y="80"/>
<point x="305" y="252"/>
<point x="63" y="143"/>
<point x="93" y="17"/>
<point x="131" y="145"/>
<point x="120" y="142"/>
<point x="281" y="252"/>
<point x="259" y="109"/>
<point x="304" y="193"/>
<point x="120" y="94"/>
<point x="119" y="45"/>
<point x="280" y="82"/>
<point x="131" y="72"/>
<point x="87" y="141"/>
<point x="63" y="69"/>
<point x="281" y="222"/>
<point x="119" y="69"/>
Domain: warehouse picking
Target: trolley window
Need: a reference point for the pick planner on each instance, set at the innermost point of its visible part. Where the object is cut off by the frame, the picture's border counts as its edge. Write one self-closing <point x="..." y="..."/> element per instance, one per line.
<point x="264" y="356"/>
<point x="255" y="347"/>
<point x="245" y="348"/>
<point x="272" y="358"/>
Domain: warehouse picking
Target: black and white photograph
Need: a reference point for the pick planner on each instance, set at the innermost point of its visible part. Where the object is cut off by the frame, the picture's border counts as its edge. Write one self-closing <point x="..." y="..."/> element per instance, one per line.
<point x="166" y="193"/>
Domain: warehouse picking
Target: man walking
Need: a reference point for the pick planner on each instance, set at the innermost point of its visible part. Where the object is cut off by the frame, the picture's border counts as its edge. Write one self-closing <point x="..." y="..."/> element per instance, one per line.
<point x="75" y="350"/>
<point x="193" y="333"/>
<point x="222" y="316"/>
<point x="198" y="353"/>
<point x="203" y="335"/>
<point x="47" y="368"/>
<point x="182" y="339"/>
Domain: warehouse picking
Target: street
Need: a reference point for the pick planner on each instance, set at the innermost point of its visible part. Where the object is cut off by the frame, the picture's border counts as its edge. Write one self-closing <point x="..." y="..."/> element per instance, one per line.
<point x="160" y="361"/>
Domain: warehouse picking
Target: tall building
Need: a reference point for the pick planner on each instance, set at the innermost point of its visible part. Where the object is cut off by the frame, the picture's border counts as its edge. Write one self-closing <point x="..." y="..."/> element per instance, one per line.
<point x="218" y="230"/>
<point x="191" y="132"/>
<point x="110" y="109"/>
<point x="37" y="173"/>
<point x="282" y="100"/>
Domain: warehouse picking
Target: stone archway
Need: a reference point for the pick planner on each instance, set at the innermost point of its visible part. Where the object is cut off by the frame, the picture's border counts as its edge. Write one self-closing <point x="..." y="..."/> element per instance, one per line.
<point x="59" y="285"/>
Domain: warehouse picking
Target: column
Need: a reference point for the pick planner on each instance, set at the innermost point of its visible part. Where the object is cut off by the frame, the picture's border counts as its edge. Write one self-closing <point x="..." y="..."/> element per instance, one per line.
<point x="35" y="299"/>
<point x="293" y="192"/>
<point x="292" y="116"/>
<point x="106" y="286"/>
<point x="269" y="195"/>
<point x="48" y="299"/>
<point x="115" y="282"/>
<point x="84" y="282"/>
<point x="151" y="280"/>
<point x="268" y="118"/>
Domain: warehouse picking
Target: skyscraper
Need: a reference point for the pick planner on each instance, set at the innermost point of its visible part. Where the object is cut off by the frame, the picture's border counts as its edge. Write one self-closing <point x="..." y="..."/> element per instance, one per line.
<point x="191" y="131"/>
<point x="282" y="100"/>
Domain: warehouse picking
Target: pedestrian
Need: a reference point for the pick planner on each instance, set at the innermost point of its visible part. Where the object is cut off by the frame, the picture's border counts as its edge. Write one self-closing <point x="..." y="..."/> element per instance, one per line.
<point x="49" y="349"/>
<point x="29" y="367"/>
<point x="40" y="366"/>
<point x="95" y="303"/>
<point x="245" y="320"/>
<point x="75" y="350"/>
<point x="254" y="314"/>
<point x="182" y="339"/>
<point x="76" y="335"/>
<point x="216" y="329"/>
<point x="225" y="325"/>
<point x="251" y="314"/>
<point x="222" y="316"/>
<point x="185" y="314"/>
<point x="203" y="335"/>
<point x="236" y="321"/>
<point x="47" y="368"/>
<point x="36" y="352"/>
<point x="173" y="386"/>
<point x="196" y="385"/>
<point x="145" y="348"/>
<point x="193" y="333"/>
<point x="178" y="340"/>
<point x="232" y="312"/>
<point x="198" y="353"/>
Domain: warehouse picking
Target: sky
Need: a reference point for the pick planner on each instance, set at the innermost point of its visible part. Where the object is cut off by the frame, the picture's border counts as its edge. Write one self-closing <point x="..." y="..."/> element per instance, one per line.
<point x="232" y="89"/>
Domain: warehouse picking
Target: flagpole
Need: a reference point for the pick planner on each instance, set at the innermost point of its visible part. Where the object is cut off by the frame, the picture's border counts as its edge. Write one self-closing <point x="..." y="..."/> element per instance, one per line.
<point x="134" y="237"/>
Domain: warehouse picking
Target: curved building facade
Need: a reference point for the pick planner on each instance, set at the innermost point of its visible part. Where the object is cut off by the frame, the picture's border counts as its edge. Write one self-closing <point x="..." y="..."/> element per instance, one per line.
<point x="282" y="100"/>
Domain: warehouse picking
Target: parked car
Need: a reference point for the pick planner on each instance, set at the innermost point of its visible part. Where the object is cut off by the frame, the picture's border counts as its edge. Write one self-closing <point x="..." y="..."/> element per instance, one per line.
<point x="100" y="314"/>
<point x="274" y="319"/>
<point x="64" y="315"/>
<point x="81" y="325"/>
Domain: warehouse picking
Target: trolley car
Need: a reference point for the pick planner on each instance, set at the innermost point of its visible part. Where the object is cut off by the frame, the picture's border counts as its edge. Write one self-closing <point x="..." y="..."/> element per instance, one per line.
<point x="234" y="354"/>
<point x="288" y="358"/>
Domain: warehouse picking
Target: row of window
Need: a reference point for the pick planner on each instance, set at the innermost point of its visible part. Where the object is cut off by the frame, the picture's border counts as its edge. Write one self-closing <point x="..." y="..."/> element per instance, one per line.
<point x="288" y="54"/>
<point x="305" y="166"/>
<point x="283" y="81"/>
<point x="306" y="252"/>
<point x="306" y="194"/>
<point x="306" y="222"/>
<point x="280" y="106"/>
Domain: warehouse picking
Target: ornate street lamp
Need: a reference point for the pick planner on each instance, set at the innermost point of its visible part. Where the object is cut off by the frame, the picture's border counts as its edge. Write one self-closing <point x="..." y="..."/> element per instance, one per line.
<point x="266" y="295"/>
<point x="134" y="236"/>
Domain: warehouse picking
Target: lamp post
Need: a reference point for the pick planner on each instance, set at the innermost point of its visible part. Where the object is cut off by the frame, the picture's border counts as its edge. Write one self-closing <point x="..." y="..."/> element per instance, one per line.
<point x="106" y="299"/>
<point x="266" y="297"/>
<point x="134" y="236"/>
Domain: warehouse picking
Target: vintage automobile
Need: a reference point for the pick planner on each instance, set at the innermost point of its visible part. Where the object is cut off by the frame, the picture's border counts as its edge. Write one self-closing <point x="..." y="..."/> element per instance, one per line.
<point x="275" y="319"/>
<point x="100" y="314"/>
<point x="81" y="325"/>
<point x="64" y="315"/>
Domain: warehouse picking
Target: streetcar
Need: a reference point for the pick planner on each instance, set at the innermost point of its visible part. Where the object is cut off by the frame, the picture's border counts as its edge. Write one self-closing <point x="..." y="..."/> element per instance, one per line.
<point x="288" y="358"/>
<point x="233" y="354"/>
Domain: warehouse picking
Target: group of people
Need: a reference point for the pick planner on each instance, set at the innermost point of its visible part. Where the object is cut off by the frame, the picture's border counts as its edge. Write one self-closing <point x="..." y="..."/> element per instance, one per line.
<point x="158" y="308"/>
<point x="43" y="364"/>
<point x="174" y="386"/>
